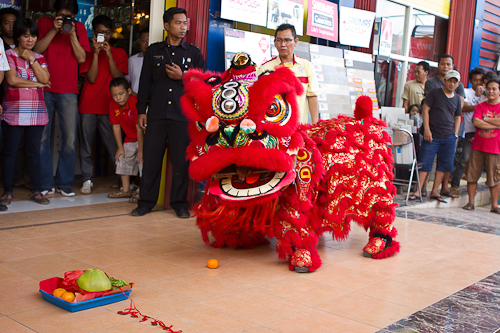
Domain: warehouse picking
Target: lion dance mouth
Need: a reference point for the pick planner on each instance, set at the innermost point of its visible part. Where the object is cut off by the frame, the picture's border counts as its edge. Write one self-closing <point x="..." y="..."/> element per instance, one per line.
<point x="269" y="176"/>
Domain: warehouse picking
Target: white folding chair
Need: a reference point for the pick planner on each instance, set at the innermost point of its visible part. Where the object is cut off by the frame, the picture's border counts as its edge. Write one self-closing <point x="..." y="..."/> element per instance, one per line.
<point x="402" y="142"/>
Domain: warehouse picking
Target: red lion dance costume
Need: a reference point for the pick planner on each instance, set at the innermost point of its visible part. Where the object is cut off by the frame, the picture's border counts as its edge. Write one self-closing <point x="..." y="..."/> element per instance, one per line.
<point x="270" y="176"/>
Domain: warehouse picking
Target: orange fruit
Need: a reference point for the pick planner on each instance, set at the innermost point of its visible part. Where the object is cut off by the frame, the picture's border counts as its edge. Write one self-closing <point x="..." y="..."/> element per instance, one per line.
<point x="68" y="296"/>
<point x="58" y="292"/>
<point x="212" y="263"/>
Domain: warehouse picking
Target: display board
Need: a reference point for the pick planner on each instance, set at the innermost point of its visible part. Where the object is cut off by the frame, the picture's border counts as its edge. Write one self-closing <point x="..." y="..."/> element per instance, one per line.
<point x="355" y="26"/>
<point x="251" y="12"/>
<point x="258" y="46"/>
<point x="16" y="4"/>
<point x="334" y="98"/>
<point x="361" y="78"/>
<point x="286" y="11"/>
<point x="322" y="19"/>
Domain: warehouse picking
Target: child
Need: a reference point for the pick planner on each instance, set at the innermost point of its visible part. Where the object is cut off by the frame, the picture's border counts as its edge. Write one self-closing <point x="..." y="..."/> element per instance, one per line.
<point x="123" y="115"/>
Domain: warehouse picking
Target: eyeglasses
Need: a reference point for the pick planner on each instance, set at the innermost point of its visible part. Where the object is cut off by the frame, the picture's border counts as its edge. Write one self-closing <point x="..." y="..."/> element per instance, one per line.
<point x="281" y="40"/>
<point x="104" y="32"/>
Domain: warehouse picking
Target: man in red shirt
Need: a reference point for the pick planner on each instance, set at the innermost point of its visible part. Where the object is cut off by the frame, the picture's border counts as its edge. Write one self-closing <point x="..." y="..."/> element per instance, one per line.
<point x="103" y="63"/>
<point x="63" y="51"/>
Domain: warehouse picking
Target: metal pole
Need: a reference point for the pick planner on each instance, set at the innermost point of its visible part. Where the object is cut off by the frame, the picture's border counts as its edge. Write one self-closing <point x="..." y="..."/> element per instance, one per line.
<point x="131" y="39"/>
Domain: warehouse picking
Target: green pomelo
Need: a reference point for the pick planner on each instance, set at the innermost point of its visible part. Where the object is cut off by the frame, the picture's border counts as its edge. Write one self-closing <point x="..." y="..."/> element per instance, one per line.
<point x="94" y="280"/>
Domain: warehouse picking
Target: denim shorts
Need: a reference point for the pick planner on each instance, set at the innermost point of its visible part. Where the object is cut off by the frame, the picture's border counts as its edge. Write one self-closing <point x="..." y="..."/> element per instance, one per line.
<point x="445" y="150"/>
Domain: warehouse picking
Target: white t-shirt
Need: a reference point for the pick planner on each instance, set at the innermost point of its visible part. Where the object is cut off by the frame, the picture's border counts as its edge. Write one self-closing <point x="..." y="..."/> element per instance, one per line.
<point x="470" y="99"/>
<point x="134" y="70"/>
<point x="4" y="64"/>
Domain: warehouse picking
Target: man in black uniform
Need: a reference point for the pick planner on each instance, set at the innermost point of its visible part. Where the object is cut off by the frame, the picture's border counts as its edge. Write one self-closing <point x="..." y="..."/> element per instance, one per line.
<point x="160" y="89"/>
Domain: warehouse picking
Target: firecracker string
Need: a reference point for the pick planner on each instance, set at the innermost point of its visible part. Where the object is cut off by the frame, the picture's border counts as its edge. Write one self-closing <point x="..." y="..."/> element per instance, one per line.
<point x="135" y="313"/>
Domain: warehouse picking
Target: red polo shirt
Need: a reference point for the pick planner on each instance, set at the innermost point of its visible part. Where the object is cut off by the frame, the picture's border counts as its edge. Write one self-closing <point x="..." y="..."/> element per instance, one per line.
<point x="125" y="117"/>
<point x="61" y="60"/>
<point x="96" y="96"/>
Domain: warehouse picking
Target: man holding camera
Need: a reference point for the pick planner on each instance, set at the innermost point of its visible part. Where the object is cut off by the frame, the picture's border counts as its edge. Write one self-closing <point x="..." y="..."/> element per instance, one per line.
<point x="63" y="42"/>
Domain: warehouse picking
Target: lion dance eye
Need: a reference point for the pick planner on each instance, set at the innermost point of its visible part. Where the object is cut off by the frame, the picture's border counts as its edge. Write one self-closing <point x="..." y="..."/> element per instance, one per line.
<point x="279" y="111"/>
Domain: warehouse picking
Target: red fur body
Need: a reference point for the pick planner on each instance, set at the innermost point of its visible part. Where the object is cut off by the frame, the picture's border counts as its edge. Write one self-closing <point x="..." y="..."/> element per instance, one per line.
<point x="341" y="170"/>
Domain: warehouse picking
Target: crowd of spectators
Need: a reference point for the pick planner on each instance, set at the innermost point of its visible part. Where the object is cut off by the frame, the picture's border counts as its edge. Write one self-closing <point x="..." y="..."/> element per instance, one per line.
<point x="40" y="66"/>
<point x="460" y="130"/>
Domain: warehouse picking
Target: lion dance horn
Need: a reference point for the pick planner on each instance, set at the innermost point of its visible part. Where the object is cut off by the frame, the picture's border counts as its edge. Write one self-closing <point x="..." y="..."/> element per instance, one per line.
<point x="364" y="107"/>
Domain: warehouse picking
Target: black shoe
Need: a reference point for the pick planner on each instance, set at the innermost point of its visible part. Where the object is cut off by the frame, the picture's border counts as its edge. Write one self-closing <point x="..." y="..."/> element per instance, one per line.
<point x="3" y="208"/>
<point x="182" y="213"/>
<point x="140" y="211"/>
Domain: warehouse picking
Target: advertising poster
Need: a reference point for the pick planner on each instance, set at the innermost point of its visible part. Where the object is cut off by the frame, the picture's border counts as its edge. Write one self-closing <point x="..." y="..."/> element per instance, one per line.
<point x="322" y="19"/>
<point x="257" y="45"/>
<point x="16" y="4"/>
<point x="286" y="11"/>
<point x="86" y="14"/>
<point x="355" y="27"/>
<point x="246" y="11"/>
<point x="385" y="44"/>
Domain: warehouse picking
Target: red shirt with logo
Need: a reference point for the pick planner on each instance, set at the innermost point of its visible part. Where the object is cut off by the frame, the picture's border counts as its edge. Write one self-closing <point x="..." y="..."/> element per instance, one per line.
<point x="487" y="141"/>
<point x="126" y="117"/>
<point x="96" y="96"/>
<point x="60" y="58"/>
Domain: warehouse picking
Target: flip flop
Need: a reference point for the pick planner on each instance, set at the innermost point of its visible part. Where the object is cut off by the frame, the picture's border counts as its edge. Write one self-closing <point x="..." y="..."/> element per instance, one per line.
<point x="424" y="193"/>
<point x="495" y="210"/>
<point x="468" y="207"/>
<point x="439" y="199"/>
<point x="413" y="197"/>
<point x="449" y="194"/>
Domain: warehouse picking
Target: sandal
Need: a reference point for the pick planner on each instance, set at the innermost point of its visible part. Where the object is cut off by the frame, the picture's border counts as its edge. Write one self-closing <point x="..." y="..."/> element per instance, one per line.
<point x="495" y="210"/>
<point x="439" y="199"/>
<point x="39" y="199"/>
<point x="469" y="206"/>
<point x="115" y="185"/>
<point x="6" y="199"/>
<point x="120" y="194"/>
<point x="423" y="193"/>
<point x="134" y="199"/>
<point x="22" y="183"/>
<point x="413" y="197"/>
<point x="449" y="194"/>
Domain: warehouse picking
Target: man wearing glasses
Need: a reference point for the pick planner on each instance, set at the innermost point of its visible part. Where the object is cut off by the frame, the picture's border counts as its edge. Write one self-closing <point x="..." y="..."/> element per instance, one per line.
<point x="102" y="64"/>
<point x="285" y="40"/>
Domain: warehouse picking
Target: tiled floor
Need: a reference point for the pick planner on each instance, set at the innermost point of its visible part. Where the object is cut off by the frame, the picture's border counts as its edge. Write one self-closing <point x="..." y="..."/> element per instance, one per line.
<point x="251" y="291"/>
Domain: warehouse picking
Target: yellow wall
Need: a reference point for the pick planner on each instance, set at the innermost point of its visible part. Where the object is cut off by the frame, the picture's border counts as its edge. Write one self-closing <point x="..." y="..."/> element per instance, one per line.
<point x="440" y="6"/>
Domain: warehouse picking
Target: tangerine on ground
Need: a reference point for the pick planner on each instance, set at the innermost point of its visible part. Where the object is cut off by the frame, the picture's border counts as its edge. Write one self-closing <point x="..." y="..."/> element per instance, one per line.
<point x="58" y="292"/>
<point x="212" y="263"/>
<point x="68" y="296"/>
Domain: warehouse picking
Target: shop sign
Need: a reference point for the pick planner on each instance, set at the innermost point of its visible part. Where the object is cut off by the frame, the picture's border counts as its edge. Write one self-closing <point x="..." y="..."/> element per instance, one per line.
<point x="256" y="45"/>
<point x="286" y="11"/>
<point x="16" y="4"/>
<point x="246" y="11"/>
<point x="322" y="19"/>
<point x="385" y="45"/>
<point x="355" y="28"/>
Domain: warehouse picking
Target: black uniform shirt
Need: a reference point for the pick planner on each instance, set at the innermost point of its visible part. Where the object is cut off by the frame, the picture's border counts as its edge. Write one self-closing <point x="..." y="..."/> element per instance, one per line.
<point x="156" y="89"/>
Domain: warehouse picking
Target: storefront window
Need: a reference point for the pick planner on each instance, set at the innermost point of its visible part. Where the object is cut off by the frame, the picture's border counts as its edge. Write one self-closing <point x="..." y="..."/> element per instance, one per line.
<point x="428" y="36"/>
<point x="395" y="13"/>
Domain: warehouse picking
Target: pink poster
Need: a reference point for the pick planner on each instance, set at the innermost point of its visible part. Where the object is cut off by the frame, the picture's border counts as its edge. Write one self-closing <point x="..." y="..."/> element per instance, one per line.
<point x="322" y="20"/>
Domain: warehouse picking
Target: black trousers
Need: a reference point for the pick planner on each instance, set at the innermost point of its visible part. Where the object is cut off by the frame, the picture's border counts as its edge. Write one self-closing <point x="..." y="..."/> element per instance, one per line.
<point x="155" y="142"/>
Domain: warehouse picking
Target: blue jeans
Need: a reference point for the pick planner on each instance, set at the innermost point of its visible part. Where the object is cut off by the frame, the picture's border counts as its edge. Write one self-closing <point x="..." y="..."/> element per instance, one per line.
<point x="12" y="137"/>
<point x="445" y="150"/>
<point x="66" y="106"/>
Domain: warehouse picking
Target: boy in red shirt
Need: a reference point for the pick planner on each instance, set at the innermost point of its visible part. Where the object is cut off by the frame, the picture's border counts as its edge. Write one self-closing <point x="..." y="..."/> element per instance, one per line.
<point x="123" y="116"/>
<point x="103" y="63"/>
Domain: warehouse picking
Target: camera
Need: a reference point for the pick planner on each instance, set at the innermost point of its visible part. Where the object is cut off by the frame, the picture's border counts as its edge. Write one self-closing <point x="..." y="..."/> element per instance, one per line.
<point x="67" y="23"/>
<point x="100" y="38"/>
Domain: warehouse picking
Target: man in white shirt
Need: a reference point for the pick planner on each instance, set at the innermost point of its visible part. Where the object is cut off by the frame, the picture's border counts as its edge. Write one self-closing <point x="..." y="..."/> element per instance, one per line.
<point x="466" y="133"/>
<point x="135" y="62"/>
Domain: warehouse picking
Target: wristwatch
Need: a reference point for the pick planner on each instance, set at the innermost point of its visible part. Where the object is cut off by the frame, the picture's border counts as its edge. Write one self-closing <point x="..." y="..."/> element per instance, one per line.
<point x="32" y="62"/>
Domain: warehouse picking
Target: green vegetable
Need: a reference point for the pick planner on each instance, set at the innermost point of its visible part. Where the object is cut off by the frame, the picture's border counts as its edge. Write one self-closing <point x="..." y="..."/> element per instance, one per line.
<point x="117" y="283"/>
<point x="94" y="280"/>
